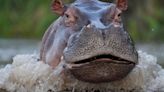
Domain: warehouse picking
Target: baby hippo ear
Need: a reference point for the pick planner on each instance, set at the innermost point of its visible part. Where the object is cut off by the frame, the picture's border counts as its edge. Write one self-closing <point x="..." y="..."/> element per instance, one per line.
<point x="122" y="4"/>
<point x="58" y="7"/>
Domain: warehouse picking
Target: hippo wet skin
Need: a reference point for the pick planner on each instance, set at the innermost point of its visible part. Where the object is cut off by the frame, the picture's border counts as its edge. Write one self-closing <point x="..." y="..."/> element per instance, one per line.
<point x="89" y="37"/>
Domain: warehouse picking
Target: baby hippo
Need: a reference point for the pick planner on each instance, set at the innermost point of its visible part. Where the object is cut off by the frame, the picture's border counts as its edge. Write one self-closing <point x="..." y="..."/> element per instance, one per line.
<point x="89" y="37"/>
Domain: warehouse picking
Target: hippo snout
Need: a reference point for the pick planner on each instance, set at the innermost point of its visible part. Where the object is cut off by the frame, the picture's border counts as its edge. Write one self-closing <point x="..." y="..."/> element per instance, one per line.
<point x="100" y="55"/>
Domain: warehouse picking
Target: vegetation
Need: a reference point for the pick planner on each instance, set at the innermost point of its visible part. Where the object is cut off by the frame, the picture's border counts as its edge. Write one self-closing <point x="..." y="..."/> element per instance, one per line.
<point x="30" y="18"/>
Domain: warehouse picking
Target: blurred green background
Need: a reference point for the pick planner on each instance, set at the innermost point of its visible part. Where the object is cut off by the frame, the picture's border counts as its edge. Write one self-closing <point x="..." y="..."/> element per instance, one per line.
<point x="30" y="18"/>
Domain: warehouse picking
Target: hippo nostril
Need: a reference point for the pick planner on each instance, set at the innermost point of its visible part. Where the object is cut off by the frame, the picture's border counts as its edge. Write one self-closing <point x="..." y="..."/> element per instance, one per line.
<point x="88" y="27"/>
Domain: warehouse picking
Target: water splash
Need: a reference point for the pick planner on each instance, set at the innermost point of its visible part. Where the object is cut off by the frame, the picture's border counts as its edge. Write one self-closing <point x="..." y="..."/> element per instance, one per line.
<point x="26" y="74"/>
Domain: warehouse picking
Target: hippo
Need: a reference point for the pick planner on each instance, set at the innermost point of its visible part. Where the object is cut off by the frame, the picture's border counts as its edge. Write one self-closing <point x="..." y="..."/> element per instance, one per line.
<point x="89" y="37"/>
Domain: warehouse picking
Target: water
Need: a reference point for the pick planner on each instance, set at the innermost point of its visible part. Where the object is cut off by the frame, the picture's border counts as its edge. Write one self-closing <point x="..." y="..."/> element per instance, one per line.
<point x="154" y="49"/>
<point x="10" y="48"/>
<point x="25" y="74"/>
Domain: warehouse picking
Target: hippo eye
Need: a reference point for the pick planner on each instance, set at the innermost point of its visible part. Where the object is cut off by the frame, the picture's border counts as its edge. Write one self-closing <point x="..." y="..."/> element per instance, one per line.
<point x="119" y="15"/>
<point x="70" y="19"/>
<point x="67" y="16"/>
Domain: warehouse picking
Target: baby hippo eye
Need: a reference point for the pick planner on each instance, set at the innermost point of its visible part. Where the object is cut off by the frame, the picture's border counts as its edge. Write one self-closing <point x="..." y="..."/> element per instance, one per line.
<point x="66" y="15"/>
<point x="70" y="18"/>
<point x="119" y="15"/>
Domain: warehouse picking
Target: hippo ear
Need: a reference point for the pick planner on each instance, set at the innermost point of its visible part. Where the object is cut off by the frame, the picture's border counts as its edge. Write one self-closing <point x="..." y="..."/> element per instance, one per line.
<point x="122" y="4"/>
<point x="58" y="7"/>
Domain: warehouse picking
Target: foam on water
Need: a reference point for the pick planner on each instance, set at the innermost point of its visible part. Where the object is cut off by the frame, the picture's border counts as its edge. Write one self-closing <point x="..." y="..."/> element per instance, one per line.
<point x="26" y="74"/>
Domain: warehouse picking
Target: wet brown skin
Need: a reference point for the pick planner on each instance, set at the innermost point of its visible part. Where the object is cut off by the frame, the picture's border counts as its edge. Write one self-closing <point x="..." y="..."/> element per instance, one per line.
<point x="90" y="37"/>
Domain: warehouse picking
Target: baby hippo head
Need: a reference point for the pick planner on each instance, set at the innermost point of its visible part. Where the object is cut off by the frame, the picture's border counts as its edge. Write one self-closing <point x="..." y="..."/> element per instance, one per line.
<point x="97" y="49"/>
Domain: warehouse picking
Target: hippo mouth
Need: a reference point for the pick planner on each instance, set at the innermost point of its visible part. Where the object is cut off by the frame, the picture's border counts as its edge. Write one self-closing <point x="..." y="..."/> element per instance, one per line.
<point x="100" y="58"/>
<point x="100" y="68"/>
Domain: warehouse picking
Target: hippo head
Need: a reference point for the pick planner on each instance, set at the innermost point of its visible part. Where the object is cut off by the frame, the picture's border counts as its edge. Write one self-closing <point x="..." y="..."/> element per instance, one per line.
<point x="97" y="49"/>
